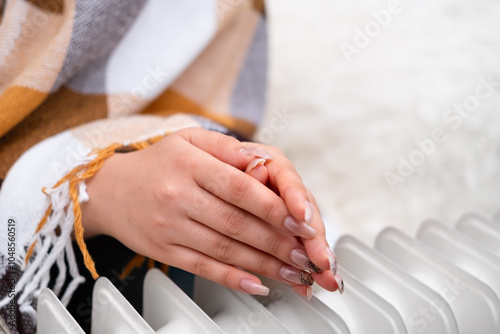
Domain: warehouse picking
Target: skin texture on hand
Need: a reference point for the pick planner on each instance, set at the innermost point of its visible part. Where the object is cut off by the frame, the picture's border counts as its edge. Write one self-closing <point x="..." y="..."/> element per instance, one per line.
<point x="186" y="201"/>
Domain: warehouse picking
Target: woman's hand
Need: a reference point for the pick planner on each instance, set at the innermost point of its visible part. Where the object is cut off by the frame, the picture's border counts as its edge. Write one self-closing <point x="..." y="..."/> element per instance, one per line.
<point x="186" y="202"/>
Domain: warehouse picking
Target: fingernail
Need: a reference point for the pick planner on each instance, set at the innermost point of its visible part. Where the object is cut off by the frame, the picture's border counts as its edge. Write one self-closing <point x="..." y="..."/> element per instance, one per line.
<point x="340" y="282"/>
<point x="254" y="164"/>
<point x="256" y="152"/>
<point x="253" y="287"/>
<point x="332" y="260"/>
<point x="300" y="229"/>
<point x="308" y="216"/>
<point x="309" y="293"/>
<point x="296" y="276"/>
<point x="300" y="258"/>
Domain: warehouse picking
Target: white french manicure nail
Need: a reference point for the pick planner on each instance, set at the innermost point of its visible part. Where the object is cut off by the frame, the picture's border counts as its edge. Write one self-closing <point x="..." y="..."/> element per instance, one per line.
<point x="309" y="212"/>
<point x="253" y="287"/>
<point x="256" y="152"/>
<point x="254" y="164"/>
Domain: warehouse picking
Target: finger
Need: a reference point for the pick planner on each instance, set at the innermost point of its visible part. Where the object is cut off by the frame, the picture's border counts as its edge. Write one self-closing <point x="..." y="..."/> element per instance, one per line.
<point x="329" y="281"/>
<point x="225" y="148"/>
<point x="282" y="174"/>
<point x="209" y="268"/>
<point x="242" y="226"/>
<point x="231" y="151"/>
<point x="230" y="251"/>
<point x="317" y="247"/>
<point x="247" y="193"/>
<point x="321" y="254"/>
<point x="284" y="177"/>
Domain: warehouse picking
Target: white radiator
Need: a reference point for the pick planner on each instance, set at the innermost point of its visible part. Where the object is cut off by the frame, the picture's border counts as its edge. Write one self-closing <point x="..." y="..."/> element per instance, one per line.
<point x="443" y="281"/>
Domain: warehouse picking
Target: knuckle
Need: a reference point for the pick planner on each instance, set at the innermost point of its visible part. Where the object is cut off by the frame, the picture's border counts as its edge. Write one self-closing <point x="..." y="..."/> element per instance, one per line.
<point x="201" y="268"/>
<point x="239" y="187"/>
<point x="236" y="223"/>
<point x="271" y="210"/>
<point x="168" y="192"/>
<point x="266" y="267"/>
<point x="225" y="278"/>
<point x="277" y="243"/>
<point x="225" y="141"/>
<point x="224" y="250"/>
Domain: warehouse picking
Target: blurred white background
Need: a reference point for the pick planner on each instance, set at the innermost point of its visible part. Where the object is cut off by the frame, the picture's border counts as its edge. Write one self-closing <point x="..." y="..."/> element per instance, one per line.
<point x="349" y="122"/>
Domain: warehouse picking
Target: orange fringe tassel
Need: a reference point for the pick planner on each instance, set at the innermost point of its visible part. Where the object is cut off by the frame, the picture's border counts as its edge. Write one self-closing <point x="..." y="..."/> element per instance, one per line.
<point x="75" y="176"/>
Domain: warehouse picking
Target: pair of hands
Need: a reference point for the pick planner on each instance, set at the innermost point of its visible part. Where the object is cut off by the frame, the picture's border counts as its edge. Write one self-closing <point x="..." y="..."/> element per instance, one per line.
<point x="187" y="202"/>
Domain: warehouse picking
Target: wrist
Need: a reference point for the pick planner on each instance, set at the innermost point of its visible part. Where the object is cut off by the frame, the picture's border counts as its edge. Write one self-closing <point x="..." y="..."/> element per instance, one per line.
<point x="100" y="189"/>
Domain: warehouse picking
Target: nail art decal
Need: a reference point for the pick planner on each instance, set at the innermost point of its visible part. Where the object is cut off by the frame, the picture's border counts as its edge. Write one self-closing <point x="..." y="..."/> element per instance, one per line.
<point x="306" y="278"/>
<point x="296" y="276"/>
<point x="300" y="258"/>
<point x="314" y="268"/>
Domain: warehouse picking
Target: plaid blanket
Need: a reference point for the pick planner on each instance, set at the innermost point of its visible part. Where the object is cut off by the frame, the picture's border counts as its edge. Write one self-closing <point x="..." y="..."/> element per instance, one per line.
<point x="76" y="75"/>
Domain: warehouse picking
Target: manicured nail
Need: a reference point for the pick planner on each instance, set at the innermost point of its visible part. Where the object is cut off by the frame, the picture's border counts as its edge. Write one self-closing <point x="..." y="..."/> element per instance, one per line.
<point x="255" y="163"/>
<point x="308" y="216"/>
<point x="332" y="260"/>
<point x="296" y="276"/>
<point x="301" y="229"/>
<point x="309" y="293"/>
<point x="256" y="152"/>
<point x="299" y="257"/>
<point x="253" y="287"/>
<point x="340" y="282"/>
